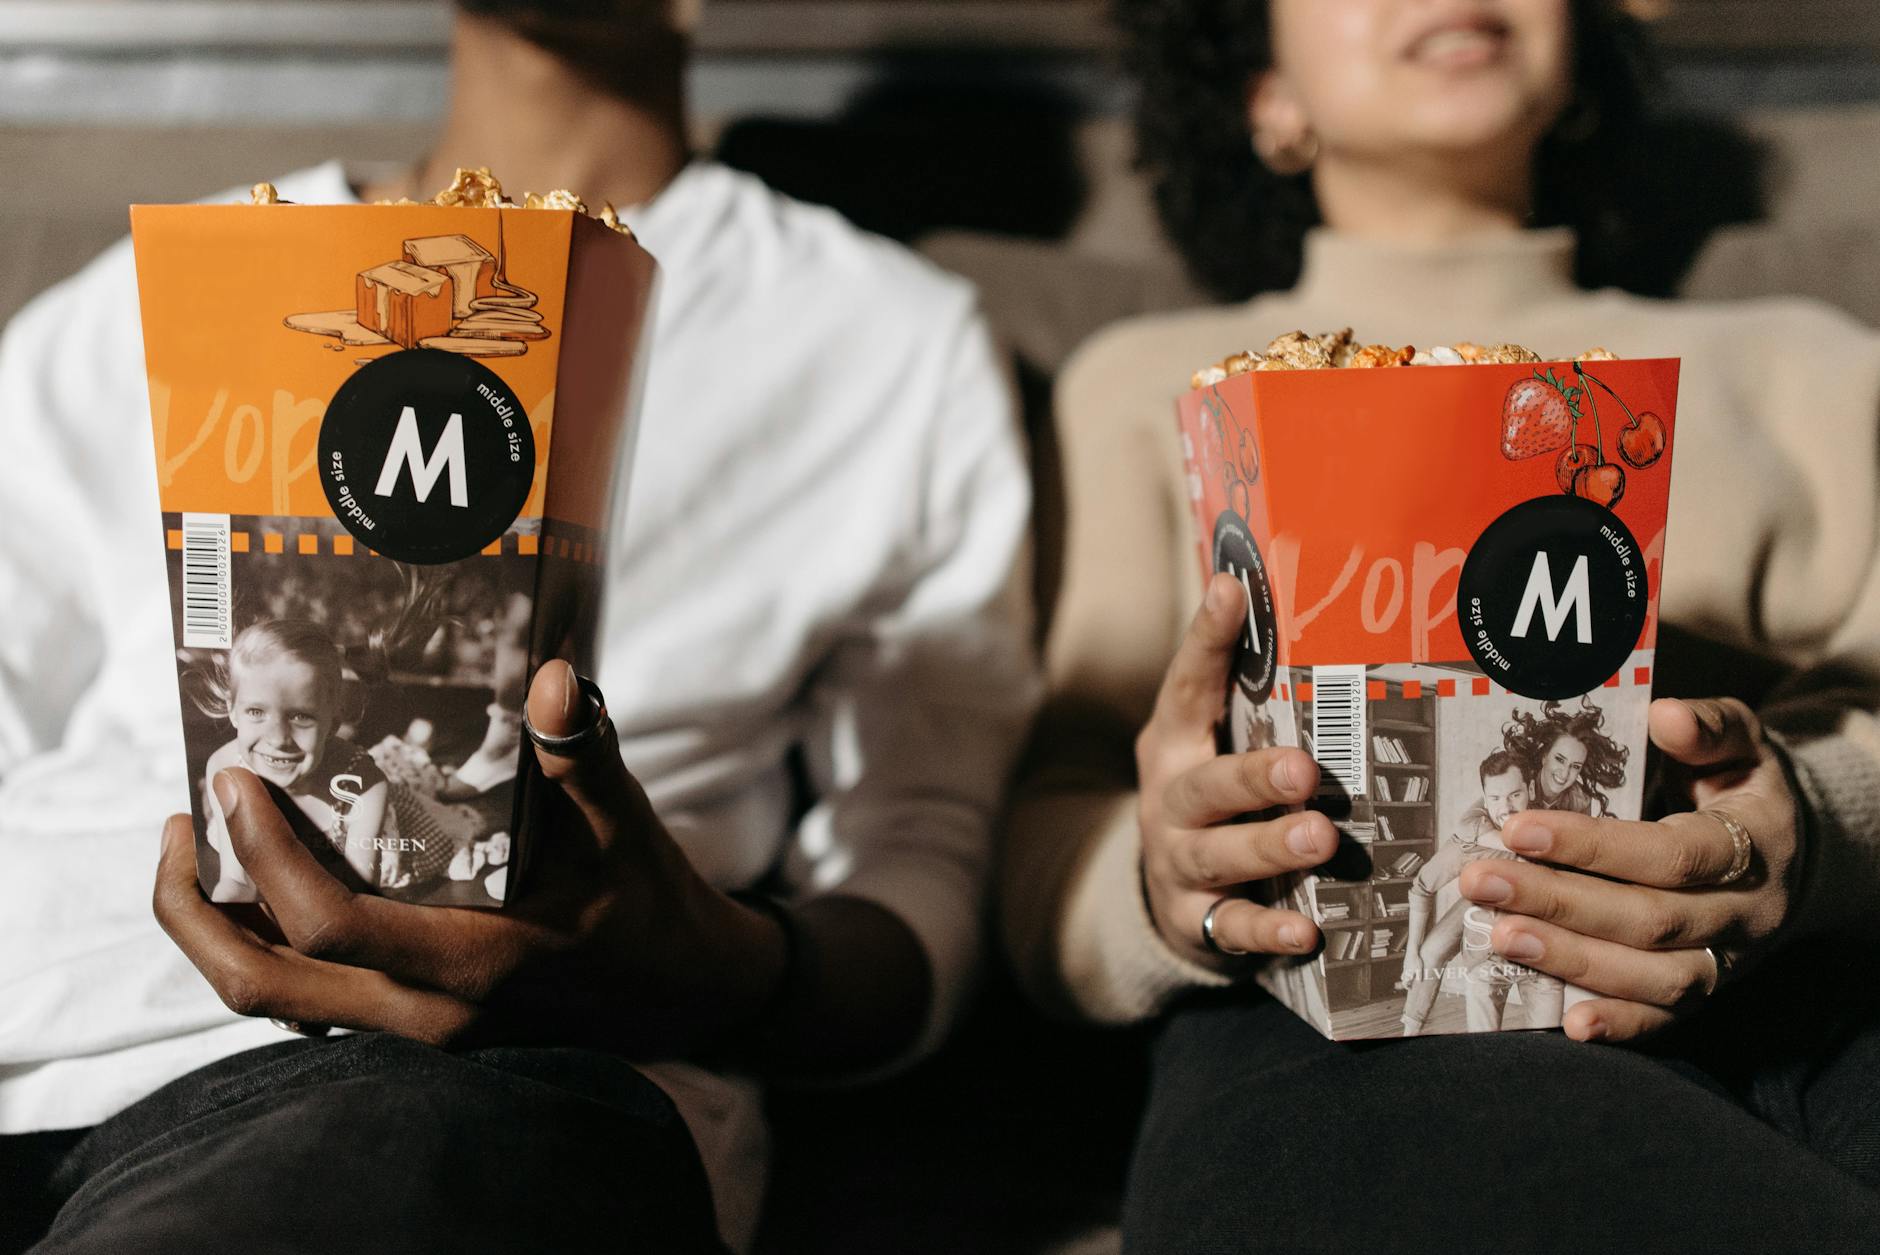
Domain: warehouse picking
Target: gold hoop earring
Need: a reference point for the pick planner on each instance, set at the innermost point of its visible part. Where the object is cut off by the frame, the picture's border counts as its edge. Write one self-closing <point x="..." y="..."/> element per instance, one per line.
<point x="1296" y="156"/>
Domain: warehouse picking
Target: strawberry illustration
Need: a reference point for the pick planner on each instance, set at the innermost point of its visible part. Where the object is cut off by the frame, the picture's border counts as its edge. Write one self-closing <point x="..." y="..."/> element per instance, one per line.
<point x="1539" y="416"/>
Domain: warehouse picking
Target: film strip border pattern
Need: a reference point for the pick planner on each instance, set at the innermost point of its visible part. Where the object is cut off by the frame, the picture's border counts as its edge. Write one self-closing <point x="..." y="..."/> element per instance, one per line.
<point x="1462" y="686"/>
<point x="312" y="537"/>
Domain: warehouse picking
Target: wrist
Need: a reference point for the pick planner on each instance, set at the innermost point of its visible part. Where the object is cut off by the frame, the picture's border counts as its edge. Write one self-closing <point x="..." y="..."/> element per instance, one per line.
<point x="775" y="942"/>
<point x="730" y="969"/>
<point x="755" y="958"/>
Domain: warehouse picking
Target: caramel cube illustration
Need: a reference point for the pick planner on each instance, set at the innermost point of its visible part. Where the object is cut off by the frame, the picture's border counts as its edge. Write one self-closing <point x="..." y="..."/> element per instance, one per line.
<point x="405" y="303"/>
<point x="471" y="268"/>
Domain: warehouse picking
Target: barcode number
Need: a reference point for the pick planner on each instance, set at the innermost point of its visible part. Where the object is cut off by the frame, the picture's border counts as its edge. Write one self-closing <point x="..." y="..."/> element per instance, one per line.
<point x="1338" y="728"/>
<point x="208" y="615"/>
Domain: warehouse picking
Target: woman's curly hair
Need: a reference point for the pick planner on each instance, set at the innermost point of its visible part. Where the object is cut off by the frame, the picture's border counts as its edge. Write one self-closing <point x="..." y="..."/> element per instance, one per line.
<point x="1529" y="737"/>
<point x="1241" y="228"/>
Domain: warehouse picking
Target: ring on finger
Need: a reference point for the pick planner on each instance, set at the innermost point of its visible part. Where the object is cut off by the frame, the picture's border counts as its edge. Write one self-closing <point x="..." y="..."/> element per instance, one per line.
<point x="304" y="1029"/>
<point x="1742" y="849"/>
<point x="1208" y="938"/>
<point x="565" y="746"/>
<point x="1724" y="962"/>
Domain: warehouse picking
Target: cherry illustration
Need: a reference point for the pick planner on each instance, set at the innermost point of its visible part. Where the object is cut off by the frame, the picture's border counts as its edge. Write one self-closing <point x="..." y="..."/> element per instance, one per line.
<point x="1642" y="441"/>
<point x="1239" y="500"/>
<point x="1602" y="485"/>
<point x="1574" y="459"/>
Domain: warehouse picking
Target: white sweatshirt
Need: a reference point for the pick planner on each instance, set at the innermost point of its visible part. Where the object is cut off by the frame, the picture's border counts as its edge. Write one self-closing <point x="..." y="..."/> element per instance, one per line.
<point x="821" y="548"/>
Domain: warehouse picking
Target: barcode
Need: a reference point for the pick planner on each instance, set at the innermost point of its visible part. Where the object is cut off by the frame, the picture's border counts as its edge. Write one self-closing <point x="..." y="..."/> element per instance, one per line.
<point x="207" y="610"/>
<point x="1338" y="729"/>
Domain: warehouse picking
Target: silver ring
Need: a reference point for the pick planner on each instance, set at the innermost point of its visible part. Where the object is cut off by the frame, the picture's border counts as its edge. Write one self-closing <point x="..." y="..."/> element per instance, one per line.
<point x="566" y="746"/>
<point x="1742" y="849"/>
<point x="1207" y="932"/>
<point x="1724" y="965"/>
<point x="305" y="1030"/>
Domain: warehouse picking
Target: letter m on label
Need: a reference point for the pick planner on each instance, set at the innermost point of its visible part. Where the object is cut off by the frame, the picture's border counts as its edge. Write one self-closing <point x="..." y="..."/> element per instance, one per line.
<point x="1251" y="636"/>
<point x="408" y="450"/>
<point x="1540" y="594"/>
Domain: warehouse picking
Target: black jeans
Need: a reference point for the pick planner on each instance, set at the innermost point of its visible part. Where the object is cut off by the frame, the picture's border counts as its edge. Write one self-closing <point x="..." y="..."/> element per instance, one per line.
<point x="1753" y="1127"/>
<point x="373" y="1143"/>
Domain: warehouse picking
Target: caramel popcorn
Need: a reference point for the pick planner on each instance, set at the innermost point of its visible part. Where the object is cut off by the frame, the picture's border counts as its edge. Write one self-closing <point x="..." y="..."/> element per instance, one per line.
<point x="1376" y="355"/>
<point x="1298" y="351"/>
<point x="474" y="189"/>
<point x="480" y="189"/>
<point x="1496" y="355"/>
<point x="559" y="199"/>
<point x="1339" y="350"/>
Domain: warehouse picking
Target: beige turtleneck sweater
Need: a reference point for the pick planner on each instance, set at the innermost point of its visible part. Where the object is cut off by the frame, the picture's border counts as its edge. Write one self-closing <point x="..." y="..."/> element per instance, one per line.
<point x="1773" y="547"/>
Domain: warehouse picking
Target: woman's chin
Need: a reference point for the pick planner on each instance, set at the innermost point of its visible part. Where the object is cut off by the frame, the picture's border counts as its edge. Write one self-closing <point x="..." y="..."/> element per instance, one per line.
<point x="1464" y="117"/>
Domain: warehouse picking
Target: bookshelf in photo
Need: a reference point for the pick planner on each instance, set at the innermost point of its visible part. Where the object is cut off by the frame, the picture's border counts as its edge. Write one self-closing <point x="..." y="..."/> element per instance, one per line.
<point x="1366" y="920"/>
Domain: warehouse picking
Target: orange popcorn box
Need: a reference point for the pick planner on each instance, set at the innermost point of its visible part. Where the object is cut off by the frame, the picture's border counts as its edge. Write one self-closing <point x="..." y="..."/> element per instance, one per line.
<point x="1452" y="578"/>
<point x="387" y="440"/>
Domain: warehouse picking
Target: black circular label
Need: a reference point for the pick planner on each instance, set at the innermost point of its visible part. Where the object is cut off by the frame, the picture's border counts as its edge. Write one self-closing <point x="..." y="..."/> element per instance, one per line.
<point x="1256" y="654"/>
<point x="426" y="456"/>
<point x="1552" y="597"/>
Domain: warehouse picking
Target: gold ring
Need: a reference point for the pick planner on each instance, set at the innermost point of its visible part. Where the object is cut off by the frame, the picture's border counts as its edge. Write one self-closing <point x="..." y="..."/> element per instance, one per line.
<point x="1742" y="850"/>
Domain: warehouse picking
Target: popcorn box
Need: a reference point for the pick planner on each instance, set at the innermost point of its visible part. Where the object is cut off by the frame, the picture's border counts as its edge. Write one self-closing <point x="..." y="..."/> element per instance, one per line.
<point x="387" y="439"/>
<point x="1452" y="578"/>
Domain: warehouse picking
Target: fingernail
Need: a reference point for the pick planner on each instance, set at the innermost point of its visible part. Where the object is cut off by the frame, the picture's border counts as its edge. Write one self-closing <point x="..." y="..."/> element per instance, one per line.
<point x="1491" y="889"/>
<point x="1214" y="599"/>
<point x="570" y="696"/>
<point x="1593" y="1030"/>
<point x="1303" y="840"/>
<point x="226" y="793"/>
<point x="1523" y="948"/>
<point x="1292" y="936"/>
<point x="1283" y="776"/>
<point x="1528" y="839"/>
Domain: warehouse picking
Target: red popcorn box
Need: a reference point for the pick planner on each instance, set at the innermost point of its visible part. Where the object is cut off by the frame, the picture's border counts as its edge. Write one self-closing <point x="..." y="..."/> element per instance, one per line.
<point x="1452" y="576"/>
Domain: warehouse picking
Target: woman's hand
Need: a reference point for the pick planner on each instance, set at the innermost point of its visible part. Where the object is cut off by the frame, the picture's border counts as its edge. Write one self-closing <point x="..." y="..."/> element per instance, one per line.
<point x="617" y="943"/>
<point x="1198" y="847"/>
<point x="1636" y="929"/>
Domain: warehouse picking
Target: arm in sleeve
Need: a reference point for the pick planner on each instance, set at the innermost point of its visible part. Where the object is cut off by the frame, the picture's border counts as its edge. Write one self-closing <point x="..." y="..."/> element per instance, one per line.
<point x="1071" y="910"/>
<point x="917" y="714"/>
<point x="1819" y="606"/>
<point x="75" y="427"/>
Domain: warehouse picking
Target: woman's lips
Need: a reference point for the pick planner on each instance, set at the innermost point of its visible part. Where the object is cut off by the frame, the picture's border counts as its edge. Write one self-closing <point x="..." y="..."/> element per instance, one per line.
<point x="1460" y="45"/>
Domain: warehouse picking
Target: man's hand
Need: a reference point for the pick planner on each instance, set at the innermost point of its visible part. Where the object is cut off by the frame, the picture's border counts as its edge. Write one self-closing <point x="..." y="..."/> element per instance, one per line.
<point x="1197" y="846"/>
<point x="616" y="941"/>
<point x="1636" y="928"/>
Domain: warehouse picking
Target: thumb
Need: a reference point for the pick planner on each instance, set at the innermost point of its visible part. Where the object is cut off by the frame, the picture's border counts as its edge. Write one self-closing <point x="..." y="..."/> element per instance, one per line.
<point x="1195" y="686"/>
<point x="590" y="773"/>
<point x="1718" y="732"/>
